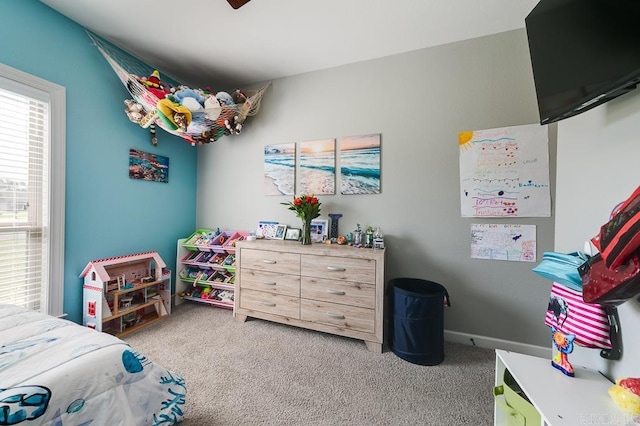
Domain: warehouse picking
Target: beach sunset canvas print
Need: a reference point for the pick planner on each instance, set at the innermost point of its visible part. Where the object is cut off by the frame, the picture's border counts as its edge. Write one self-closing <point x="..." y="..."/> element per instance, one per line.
<point x="317" y="167"/>
<point x="360" y="164"/>
<point x="280" y="169"/>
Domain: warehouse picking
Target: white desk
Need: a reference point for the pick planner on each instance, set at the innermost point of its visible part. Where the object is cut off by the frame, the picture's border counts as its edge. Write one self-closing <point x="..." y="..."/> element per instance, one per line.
<point x="561" y="400"/>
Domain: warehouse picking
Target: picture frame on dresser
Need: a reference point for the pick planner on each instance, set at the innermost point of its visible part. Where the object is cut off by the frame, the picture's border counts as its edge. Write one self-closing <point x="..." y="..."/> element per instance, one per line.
<point x="280" y="232"/>
<point x="319" y="230"/>
<point x="292" y="234"/>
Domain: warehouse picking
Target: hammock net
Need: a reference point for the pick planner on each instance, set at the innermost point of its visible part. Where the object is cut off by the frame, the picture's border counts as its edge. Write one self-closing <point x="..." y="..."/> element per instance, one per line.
<point x="198" y="116"/>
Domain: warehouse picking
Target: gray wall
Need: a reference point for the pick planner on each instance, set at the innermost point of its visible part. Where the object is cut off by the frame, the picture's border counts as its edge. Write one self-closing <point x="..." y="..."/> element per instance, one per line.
<point x="418" y="101"/>
<point x="599" y="152"/>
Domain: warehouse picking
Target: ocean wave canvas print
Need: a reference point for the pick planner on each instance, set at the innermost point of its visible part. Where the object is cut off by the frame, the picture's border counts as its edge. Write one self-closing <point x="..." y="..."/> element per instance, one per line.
<point x="148" y="166"/>
<point x="280" y="169"/>
<point x="317" y="171"/>
<point x="360" y="164"/>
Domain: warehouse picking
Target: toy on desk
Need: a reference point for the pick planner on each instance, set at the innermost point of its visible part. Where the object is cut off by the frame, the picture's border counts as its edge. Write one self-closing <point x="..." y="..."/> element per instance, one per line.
<point x="564" y="346"/>
<point x="378" y="239"/>
<point x="626" y="394"/>
<point x="563" y="342"/>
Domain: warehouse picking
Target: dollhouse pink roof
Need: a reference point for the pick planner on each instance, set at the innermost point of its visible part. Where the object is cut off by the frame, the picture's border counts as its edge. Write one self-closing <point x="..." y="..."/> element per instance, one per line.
<point x="99" y="265"/>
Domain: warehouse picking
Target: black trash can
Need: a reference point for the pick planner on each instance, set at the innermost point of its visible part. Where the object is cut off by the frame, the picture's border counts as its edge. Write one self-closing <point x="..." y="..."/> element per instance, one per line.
<point x="417" y="320"/>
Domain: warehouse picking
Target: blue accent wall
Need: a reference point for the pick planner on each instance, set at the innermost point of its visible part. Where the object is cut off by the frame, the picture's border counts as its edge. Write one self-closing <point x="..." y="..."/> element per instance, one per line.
<point x="107" y="213"/>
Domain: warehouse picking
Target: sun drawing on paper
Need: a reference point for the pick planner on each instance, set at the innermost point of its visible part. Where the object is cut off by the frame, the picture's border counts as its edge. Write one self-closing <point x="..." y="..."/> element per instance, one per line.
<point x="465" y="140"/>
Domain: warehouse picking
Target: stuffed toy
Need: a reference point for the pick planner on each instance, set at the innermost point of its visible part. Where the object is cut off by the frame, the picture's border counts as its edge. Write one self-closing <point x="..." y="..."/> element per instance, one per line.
<point x="192" y="99"/>
<point x="174" y="116"/>
<point x="134" y="110"/>
<point x="238" y="97"/>
<point x="155" y="85"/>
<point x="212" y="107"/>
<point x="234" y="125"/>
<point x="224" y="98"/>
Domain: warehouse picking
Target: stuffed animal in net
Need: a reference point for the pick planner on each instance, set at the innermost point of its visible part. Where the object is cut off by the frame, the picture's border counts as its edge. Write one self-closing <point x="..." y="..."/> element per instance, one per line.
<point x="155" y="85"/>
<point x="135" y="112"/>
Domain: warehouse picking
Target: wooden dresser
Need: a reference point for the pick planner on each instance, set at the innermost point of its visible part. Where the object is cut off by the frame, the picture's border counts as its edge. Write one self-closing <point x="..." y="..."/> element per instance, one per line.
<point x="330" y="288"/>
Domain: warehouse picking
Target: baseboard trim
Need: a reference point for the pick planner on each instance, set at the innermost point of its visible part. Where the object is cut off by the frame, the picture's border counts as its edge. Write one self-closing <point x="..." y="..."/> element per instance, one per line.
<point x="492" y="343"/>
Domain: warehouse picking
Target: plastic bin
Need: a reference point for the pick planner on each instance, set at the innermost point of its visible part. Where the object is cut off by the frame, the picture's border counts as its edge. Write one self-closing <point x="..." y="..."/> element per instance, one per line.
<point x="417" y="320"/>
<point x="512" y="401"/>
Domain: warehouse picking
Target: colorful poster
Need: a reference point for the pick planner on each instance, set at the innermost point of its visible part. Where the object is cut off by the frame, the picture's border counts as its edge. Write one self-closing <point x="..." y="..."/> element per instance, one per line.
<point x="504" y="172"/>
<point x="503" y="242"/>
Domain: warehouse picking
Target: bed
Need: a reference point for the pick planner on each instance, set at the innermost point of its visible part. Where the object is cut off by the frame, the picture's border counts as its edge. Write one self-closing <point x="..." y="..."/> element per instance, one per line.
<point x="56" y="372"/>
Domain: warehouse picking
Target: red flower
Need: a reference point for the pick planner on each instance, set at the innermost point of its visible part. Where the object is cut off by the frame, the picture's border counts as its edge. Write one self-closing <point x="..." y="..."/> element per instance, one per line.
<point x="306" y="207"/>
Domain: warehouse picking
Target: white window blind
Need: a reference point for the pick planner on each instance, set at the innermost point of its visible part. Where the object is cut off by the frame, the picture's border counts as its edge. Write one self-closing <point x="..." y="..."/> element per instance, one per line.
<point x="28" y="276"/>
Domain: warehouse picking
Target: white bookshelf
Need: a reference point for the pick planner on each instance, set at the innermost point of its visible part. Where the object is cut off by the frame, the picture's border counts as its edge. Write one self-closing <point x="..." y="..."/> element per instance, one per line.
<point x="560" y="399"/>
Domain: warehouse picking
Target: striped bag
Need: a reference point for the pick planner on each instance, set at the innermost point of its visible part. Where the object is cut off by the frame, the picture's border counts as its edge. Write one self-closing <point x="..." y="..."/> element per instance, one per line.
<point x="568" y="313"/>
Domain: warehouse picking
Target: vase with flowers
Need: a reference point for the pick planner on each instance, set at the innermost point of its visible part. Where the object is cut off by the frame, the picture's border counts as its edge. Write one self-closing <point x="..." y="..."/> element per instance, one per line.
<point x="307" y="208"/>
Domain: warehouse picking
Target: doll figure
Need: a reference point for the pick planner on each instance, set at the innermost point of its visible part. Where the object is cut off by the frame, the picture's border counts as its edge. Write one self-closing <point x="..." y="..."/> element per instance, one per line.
<point x="564" y="346"/>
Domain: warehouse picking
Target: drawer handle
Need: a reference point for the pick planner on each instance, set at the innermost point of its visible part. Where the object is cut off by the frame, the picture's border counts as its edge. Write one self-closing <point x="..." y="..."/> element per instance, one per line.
<point x="269" y="283"/>
<point x="335" y="316"/>
<point x="269" y="304"/>
<point x="270" y="262"/>
<point x="336" y="269"/>
<point x="336" y="292"/>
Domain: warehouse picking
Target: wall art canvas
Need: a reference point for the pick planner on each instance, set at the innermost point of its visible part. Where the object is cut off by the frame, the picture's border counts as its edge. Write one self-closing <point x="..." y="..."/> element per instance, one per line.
<point x="280" y="169"/>
<point x="317" y="170"/>
<point x="360" y="164"/>
<point x="148" y="166"/>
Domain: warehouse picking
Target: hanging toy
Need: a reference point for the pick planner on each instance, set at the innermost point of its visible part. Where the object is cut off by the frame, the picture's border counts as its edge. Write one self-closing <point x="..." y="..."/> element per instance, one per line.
<point x="154" y="139"/>
<point x="134" y="110"/>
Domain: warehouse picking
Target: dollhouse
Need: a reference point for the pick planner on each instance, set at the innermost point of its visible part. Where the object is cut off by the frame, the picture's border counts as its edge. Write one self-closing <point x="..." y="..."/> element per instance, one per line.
<point x="124" y="293"/>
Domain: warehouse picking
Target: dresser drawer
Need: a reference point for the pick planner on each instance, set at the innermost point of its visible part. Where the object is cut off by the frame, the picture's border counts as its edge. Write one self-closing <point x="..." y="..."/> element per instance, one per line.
<point x="272" y="282"/>
<point x="340" y="316"/>
<point x="260" y="301"/>
<point x="339" y="268"/>
<point x="343" y="292"/>
<point x="272" y="261"/>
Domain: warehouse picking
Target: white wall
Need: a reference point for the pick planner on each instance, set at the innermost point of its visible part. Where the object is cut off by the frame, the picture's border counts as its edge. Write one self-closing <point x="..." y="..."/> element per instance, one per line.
<point x="418" y="101"/>
<point x="598" y="153"/>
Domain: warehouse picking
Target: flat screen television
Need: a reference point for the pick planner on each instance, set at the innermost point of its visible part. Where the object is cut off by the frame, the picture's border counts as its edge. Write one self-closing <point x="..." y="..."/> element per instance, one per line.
<point x="583" y="53"/>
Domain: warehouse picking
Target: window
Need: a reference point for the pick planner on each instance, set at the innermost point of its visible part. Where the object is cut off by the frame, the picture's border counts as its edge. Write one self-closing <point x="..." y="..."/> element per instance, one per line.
<point x="32" y="172"/>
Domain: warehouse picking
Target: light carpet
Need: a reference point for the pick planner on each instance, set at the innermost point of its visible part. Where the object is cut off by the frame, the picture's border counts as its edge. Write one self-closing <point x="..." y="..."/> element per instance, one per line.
<point x="263" y="373"/>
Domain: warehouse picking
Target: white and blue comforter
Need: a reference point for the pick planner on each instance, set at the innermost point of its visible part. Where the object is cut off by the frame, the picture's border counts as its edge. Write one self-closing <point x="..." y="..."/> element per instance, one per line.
<point x="57" y="373"/>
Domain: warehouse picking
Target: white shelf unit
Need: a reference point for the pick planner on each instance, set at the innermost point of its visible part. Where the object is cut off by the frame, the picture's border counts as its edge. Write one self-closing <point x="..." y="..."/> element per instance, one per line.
<point x="561" y="400"/>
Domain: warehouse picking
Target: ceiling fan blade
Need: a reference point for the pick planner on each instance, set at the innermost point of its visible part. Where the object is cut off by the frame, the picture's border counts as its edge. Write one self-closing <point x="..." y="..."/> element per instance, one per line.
<point x="237" y="3"/>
